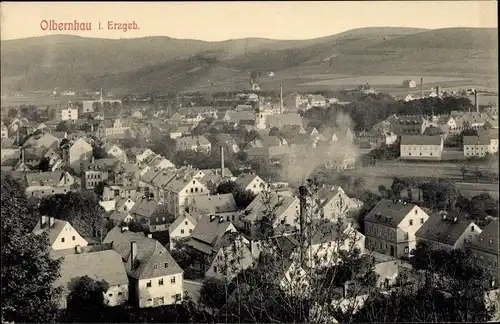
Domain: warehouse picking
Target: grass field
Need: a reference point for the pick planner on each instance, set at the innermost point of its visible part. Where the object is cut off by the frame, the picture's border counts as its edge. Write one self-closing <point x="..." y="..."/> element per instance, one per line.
<point x="39" y="100"/>
<point x="381" y="80"/>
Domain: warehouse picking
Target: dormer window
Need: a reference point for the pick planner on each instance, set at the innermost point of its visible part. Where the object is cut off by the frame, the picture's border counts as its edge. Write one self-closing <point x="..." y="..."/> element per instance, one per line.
<point x="166" y="265"/>
<point x="155" y="266"/>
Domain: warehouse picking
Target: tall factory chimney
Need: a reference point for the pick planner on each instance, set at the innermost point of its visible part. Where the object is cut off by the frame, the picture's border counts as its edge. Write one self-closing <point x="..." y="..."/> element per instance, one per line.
<point x="281" y="98"/>
<point x="222" y="160"/>
<point x="476" y="101"/>
<point x="421" y="88"/>
<point x="438" y="91"/>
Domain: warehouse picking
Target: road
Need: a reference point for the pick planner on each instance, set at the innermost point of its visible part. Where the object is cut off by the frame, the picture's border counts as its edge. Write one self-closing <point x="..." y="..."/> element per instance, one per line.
<point x="193" y="289"/>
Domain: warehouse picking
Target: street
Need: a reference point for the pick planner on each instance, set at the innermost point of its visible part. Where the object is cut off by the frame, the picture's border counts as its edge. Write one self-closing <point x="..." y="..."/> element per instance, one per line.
<point x="193" y="289"/>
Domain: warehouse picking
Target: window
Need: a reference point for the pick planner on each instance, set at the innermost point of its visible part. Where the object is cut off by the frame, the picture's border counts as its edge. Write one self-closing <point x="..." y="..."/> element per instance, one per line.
<point x="120" y="293"/>
<point x="148" y="284"/>
<point x="186" y="222"/>
<point x="215" y="269"/>
<point x="411" y="222"/>
<point x="191" y="190"/>
<point x="190" y="231"/>
<point x="421" y="220"/>
<point x="196" y="189"/>
<point x="172" y="280"/>
<point x="110" y="295"/>
<point x="182" y="231"/>
<point x="406" y="235"/>
<point x="416" y="211"/>
<point x="155" y="266"/>
<point x="73" y="238"/>
<point x="62" y="239"/>
<point x="406" y="249"/>
<point x="160" y="282"/>
<point x="472" y="228"/>
<point x="166" y="265"/>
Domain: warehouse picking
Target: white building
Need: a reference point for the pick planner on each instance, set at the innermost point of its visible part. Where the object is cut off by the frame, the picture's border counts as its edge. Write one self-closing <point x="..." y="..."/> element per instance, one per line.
<point x="61" y="234"/>
<point x="69" y="113"/>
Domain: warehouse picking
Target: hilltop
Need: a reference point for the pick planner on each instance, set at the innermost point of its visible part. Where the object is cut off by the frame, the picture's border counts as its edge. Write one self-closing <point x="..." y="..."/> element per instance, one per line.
<point x="168" y="64"/>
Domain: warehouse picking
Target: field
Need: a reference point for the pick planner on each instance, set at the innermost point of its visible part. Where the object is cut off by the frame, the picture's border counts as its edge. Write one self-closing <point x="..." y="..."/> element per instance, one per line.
<point x="39" y="100"/>
<point x="380" y="80"/>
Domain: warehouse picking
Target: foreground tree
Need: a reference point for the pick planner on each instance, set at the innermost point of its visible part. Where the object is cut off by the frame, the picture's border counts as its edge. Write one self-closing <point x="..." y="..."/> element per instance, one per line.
<point x="27" y="271"/>
<point x="86" y="300"/>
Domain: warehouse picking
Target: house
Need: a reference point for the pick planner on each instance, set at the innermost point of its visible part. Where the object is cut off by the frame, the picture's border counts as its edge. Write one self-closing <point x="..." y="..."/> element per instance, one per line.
<point x="279" y="121"/>
<point x="181" y="228"/>
<point x="151" y="214"/>
<point x="222" y="205"/>
<point x="61" y="234"/>
<point x="317" y="101"/>
<point x="377" y="139"/>
<point x="286" y="212"/>
<point x="486" y="142"/>
<point x="137" y="114"/>
<point x="115" y="151"/>
<point x="391" y="273"/>
<point x="124" y="204"/>
<point x="97" y="171"/>
<point x="194" y="143"/>
<point x="251" y="182"/>
<point x="335" y="203"/>
<point x="47" y="140"/>
<point x="143" y="154"/>
<point x="193" y="118"/>
<point x="78" y="151"/>
<point x="206" y="240"/>
<point x="68" y="113"/>
<point x="180" y="192"/>
<point x="231" y="255"/>
<point x="111" y="128"/>
<point x="228" y="141"/>
<point x="265" y="141"/>
<point x="446" y="123"/>
<point x="154" y="276"/>
<point x="473" y="120"/>
<point x="409" y="125"/>
<point x="444" y="231"/>
<point x="42" y="184"/>
<point x="390" y="227"/>
<point x="485" y="248"/>
<point x="409" y="84"/>
<point x="100" y="265"/>
<point x="421" y="147"/>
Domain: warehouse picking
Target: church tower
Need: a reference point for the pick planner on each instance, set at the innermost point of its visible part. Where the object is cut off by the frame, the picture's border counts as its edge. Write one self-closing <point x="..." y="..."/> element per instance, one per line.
<point x="260" y="117"/>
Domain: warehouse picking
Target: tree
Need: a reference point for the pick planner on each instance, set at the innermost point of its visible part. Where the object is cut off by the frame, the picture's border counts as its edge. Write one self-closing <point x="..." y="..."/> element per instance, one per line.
<point x="44" y="164"/>
<point x="214" y="292"/>
<point x="274" y="131"/>
<point x="81" y="209"/>
<point x="383" y="191"/>
<point x="86" y="299"/>
<point x="99" y="188"/>
<point x="464" y="170"/>
<point x="98" y="152"/>
<point x="243" y="198"/>
<point x="28" y="272"/>
<point x="13" y="113"/>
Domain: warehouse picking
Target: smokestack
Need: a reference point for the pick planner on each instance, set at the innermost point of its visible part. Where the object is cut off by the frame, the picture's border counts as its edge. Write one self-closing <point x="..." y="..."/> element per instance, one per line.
<point x="22" y="155"/>
<point x="438" y="91"/>
<point x="133" y="253"/>
<point x="302" y="216"/>
<point x="476" y="102"/>
<point x="43" y="220"/>
<point x="222" y="160"/>
<point x="17" y="135"/>
<point x="422" y="88"/>
<point x="281" y="98"/>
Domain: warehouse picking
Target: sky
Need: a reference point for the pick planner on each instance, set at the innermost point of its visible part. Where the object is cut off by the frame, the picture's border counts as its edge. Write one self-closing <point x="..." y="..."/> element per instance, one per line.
<point x="215" y="21"/>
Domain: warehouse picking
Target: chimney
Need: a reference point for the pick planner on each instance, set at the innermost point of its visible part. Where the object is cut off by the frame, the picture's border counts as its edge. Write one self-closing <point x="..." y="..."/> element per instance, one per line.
<point x="222" y="161"/>
<point x="51" y="222"/>
<point x="150" y="235"/>
<point x="281" y="98"/>
<point x="421" y="88"/>
<point x="22" y="155"/>
<point x="476" y="101"/>
<point x="78" y="249"/>
<point x="124" y="228"/>
<point x="133" y="253"/>
<point x="438" y="91"/>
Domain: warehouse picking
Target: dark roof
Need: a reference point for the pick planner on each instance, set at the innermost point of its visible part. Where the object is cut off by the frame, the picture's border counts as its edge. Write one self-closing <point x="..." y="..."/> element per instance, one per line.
<point x="420" y="140"/>
<point x="476" y="140"/>
<point x="210" y="230"/>
<point x="488" y="239"/>
<point x="389" y="213"/>
<point x="441" y="230"/>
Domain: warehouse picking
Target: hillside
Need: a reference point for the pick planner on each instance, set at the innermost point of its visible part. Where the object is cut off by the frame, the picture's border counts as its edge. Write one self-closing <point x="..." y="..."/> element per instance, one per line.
<point x="167" y="64"/>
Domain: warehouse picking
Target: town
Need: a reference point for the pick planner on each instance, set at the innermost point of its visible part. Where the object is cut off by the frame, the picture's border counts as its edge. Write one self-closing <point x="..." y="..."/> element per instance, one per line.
<point x="166" y="204"/>
<point x="281" y="162"/>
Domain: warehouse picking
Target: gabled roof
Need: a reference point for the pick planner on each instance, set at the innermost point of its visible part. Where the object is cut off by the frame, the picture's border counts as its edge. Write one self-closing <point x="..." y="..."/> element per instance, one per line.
<point x="245" y="179"/>
<point x="210" y="230"/>
<point x="255" y="211"/>
<point x="180" y="219"/>
<point x="47" y="178"/>
<point x="488" y="239"/>
<point x="152" y="260"/>
<point x="389" y="213"/>
<point x="103" y="265"/>
<point x="179" y="183"/>
<point x="421" y="140"/>
<point x="285" y="119"/>
<point x="220" y="203"/>
<point x="443" y="231"/>
<point x="190" y="141"/>
<point x="53" y="231"/>
<point x="237" y="116"/>
<point x="146" y="207"/>
<point x="223" y="138"/>
<point x="476" y="140"/>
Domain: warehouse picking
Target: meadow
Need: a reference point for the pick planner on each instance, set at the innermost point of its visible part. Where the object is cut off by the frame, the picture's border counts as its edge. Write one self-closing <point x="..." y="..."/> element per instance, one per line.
<point x="381" y="80"/>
